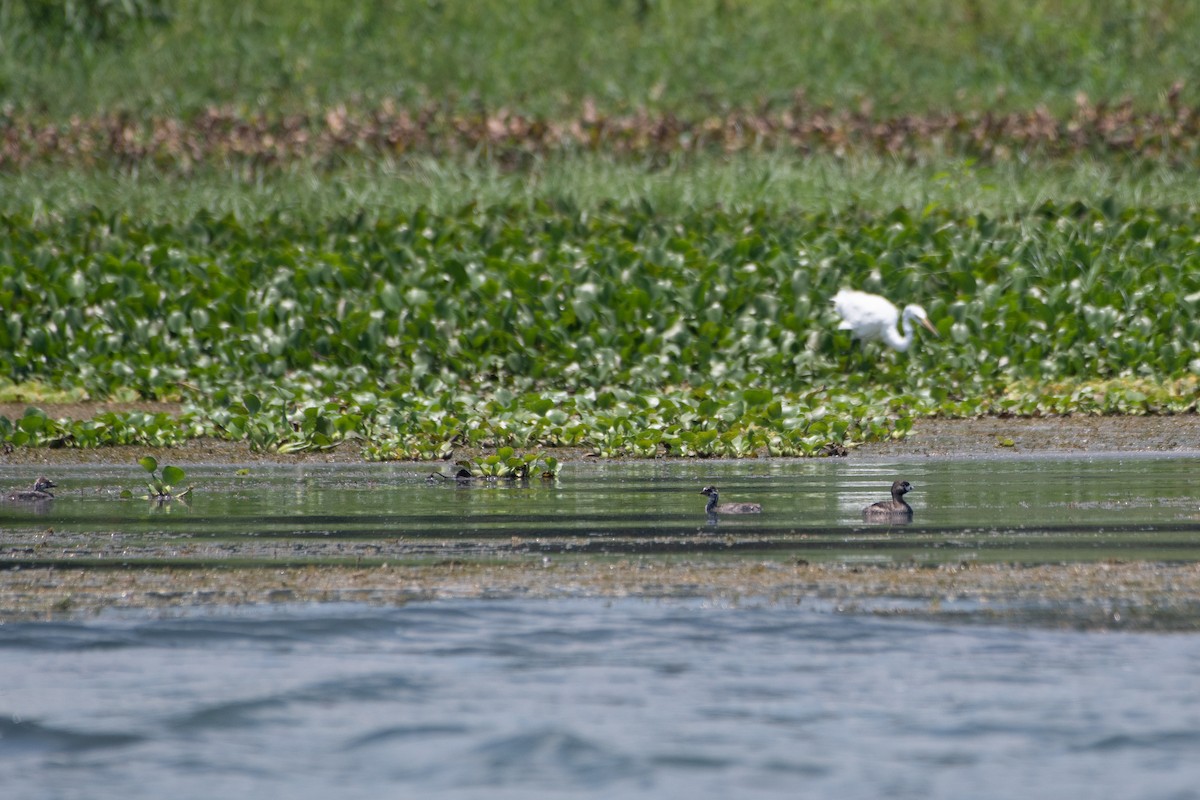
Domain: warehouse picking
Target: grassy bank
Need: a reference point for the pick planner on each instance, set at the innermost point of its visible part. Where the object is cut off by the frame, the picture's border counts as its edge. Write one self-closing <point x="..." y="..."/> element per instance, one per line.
<point x="780" y="183"/>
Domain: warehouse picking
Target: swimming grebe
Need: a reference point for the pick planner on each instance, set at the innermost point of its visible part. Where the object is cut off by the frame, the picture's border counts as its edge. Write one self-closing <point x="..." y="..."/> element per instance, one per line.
<point x="40" y="491"/>
<point x="893" y="510"/>
<point x="728" y="508"/>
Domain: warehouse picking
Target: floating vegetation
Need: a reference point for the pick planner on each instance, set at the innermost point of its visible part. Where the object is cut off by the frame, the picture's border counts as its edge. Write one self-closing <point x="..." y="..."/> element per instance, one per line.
<point x="505" y="463"/>
<point x="623" y="333"/>
<point x="161" y="488"/>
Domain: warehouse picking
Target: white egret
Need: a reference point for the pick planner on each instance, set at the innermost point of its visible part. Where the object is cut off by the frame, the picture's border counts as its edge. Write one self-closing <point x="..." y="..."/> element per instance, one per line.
<point x="869" y="316"/>
<point x="894" y="510"/>
<point x="728" y="508"/>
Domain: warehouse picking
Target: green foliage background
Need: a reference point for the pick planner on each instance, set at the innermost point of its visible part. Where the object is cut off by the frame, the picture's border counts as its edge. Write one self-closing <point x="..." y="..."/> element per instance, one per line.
<point x="179" y="56"/>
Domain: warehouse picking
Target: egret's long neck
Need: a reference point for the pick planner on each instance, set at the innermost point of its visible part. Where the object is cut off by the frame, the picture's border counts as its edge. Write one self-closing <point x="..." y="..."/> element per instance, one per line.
<point x="712" y="502"/>
<point x="897" y="341"/>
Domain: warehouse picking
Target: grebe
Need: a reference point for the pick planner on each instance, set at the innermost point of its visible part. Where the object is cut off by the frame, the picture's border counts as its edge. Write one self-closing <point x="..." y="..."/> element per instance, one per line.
<point x="869" y="316"/>
<point x="728" y="508"/>
<point x="893" y="510"/>
<point x="40" y="491"/>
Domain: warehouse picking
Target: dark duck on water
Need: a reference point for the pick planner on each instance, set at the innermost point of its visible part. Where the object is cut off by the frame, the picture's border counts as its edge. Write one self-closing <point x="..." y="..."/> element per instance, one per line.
<point x="40" y="491"/>
<point x="894" y="510"/>
<point x="714" y="506"/>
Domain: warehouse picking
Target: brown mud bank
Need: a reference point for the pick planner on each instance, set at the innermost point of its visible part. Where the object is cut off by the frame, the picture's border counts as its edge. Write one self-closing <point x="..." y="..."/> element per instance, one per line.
<point x="1079" y="435"/>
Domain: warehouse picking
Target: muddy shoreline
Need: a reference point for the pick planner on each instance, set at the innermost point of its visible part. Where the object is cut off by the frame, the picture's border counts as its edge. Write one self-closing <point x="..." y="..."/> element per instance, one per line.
<point x="1109" y="595"/>
<point x="1120" y="595"/>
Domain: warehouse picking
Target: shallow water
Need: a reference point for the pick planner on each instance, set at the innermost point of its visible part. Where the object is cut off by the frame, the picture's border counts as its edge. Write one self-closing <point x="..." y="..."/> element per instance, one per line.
<point x="1026" y="509"/>
<point x="590" y="698"/>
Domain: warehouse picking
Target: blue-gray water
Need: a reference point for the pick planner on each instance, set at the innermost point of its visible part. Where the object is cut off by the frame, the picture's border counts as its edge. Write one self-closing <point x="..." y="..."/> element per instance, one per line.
<point x="590" y="698"/>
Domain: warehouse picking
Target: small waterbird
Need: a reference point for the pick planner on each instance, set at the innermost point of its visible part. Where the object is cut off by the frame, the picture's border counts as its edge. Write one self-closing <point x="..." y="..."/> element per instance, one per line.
<point x="894" y="510"/>
<point x="728" y="508"/>
<point x="40" y="491"/>
<point x="869" y="316"/>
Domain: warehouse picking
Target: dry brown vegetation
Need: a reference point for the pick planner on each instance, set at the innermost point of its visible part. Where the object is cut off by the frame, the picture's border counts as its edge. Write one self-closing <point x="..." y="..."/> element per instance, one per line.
<point x="224" y="135"/>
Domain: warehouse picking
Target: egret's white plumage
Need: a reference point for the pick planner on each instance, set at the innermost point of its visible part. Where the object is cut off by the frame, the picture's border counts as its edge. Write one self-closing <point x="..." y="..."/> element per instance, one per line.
<point x="869" y="316"/>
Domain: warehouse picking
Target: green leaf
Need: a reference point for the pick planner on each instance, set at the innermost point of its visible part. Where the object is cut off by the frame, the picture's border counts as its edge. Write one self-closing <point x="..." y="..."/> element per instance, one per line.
<point x="757" y="397"/>
<point x="172" y="475"/>
<point x="148" y="463"/>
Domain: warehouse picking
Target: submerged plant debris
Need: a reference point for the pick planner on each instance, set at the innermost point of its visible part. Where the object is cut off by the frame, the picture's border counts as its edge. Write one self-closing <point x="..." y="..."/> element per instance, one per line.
<point x="1136" y="596"/>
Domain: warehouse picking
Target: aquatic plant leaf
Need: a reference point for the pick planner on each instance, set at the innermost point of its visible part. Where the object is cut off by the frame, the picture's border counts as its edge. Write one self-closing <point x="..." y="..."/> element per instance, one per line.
<point x="148" y="463"/>
<point x="757" y="397"/>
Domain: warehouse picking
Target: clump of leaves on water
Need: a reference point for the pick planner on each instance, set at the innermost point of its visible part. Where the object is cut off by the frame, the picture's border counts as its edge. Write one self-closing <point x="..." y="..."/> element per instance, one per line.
<point x="162" y="487"/>
<point x="507" y="464"/>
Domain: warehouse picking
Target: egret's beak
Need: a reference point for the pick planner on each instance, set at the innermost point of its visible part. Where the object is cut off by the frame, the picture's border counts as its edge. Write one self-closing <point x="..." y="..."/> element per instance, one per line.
<point x="932" y="329"/>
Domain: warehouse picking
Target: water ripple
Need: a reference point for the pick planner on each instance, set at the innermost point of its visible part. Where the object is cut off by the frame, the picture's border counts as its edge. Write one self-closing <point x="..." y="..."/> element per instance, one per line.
<point x="25" y="737"/>
<point x="395" y="733"/>
<point x="248" y="711"/>
<point x="1184" y="741"/>
<point x="550" y="757"/>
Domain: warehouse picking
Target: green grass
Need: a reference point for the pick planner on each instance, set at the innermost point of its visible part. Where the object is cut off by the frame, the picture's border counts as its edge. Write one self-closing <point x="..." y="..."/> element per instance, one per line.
<point x="782" y="183"/>
<point x="543" y="56"/>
